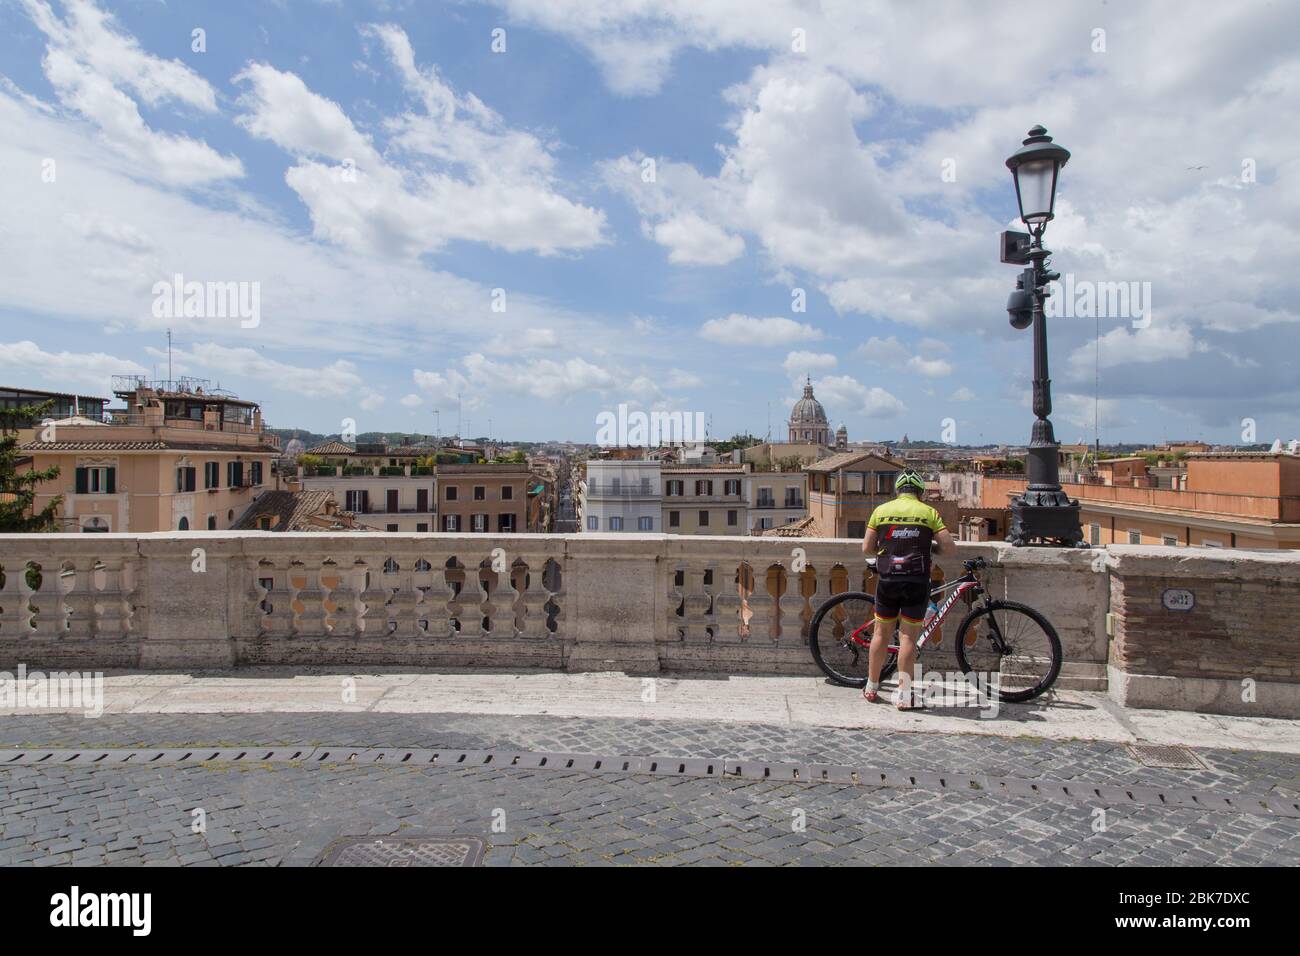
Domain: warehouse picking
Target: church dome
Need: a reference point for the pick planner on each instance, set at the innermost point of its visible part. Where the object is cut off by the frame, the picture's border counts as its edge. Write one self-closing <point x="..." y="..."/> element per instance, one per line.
<point x="808" y="410"/>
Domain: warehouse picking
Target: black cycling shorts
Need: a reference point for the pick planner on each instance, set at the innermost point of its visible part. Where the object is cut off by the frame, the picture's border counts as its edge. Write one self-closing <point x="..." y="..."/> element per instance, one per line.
<point x="910" y="599"/>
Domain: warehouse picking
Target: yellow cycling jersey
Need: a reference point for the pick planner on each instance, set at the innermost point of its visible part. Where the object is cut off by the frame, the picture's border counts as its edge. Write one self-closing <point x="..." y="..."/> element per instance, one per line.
<point x="905" y="528"/>
<point x="906" y="510"/>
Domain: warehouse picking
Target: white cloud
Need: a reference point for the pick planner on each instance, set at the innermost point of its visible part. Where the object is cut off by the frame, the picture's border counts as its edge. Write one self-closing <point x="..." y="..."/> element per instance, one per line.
<point x="484" y="379"/>
<point x="1082" y="412"/>
<point x="1126" y="346"/>
<point x="893" y="354"/>
<point x="412" y="400"/>
<point x="540" y="378"/>
<point x="279" y="107"/>
<point x="930" y="368"/>
<point x="738" y="329"/>
<point x="452" y="169"/>
<point x="449" y="386"/>
<point x="845" y="392"/>
<point x="93" y="68"/>
<point x="809" y="179"/>
<point x="692" y="240"/>
<point x="962" y="394"/>
<point x="124" y="235"/>
<point x="91" y="371"/>
<point x="338" y="379"/>
<point x="805" y="363"/>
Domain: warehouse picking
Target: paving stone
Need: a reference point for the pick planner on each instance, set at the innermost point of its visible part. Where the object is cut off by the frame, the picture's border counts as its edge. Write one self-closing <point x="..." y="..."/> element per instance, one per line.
<point x="285" y="814"/>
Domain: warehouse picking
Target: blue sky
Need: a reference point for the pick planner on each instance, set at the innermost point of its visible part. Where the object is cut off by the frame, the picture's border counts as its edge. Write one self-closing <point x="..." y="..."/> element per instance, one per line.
<point x="378" y="170"/>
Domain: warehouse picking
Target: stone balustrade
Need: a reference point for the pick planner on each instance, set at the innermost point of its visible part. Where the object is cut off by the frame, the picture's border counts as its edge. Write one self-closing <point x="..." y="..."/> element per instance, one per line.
<point x="641" y="603"/>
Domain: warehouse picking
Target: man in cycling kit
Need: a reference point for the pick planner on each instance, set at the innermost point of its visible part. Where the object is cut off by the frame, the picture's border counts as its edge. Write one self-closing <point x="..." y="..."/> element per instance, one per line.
<point x="901" y="535"/>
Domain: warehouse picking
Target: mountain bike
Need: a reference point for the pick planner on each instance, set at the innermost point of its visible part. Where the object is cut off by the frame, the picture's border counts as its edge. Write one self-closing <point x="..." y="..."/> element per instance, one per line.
<point x="1008" y="645"/>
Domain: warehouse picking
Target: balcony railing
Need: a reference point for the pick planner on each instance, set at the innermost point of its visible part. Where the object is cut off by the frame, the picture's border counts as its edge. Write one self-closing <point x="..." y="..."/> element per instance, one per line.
<point x="594" y="490"/>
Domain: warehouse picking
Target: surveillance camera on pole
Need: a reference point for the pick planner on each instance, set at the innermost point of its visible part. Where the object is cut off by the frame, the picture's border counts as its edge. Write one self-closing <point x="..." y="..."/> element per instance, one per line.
<point x="1043" y="513"/>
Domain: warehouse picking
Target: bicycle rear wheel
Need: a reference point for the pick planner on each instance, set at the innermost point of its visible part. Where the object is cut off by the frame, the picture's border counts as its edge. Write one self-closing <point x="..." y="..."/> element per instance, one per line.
<point x="1011" y="644"/>
<point x="830" y="638"/>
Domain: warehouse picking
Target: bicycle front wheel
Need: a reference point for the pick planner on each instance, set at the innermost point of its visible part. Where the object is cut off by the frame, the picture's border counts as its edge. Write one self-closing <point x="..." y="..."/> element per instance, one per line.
<point x="831" y="639"/>
<point x="1011" y="647"/>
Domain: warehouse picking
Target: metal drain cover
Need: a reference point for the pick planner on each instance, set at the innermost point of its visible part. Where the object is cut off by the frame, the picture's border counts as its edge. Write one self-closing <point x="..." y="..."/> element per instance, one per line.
<point x="1160" y="755"/>
<point x="403" y="851"/>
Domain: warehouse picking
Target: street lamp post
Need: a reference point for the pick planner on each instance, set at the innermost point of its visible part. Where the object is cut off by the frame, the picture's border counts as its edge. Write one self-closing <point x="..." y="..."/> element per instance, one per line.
<point x="1043" y="513"/>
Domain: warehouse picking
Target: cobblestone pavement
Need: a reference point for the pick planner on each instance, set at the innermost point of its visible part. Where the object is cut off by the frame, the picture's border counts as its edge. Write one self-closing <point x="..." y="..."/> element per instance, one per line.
<point x="288" y="813"/>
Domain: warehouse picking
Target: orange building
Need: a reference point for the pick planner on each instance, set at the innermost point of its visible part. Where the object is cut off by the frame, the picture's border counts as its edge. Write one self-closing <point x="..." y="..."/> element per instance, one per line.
<point x="483" y="499"/>
<point x="844" y="489"/>
<point x="176" y="458"/>
<point x="1230" y="500"/>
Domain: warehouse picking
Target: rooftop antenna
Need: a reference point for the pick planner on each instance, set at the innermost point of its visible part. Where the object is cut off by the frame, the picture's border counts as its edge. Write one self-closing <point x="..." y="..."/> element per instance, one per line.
<point x="1096" y="401"/>
<point x="169" y="357"/>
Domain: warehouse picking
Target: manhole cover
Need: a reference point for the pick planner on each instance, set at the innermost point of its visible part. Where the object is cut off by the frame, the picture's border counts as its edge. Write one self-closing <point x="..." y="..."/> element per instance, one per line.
<point x="1159" y="755"/>
<point x="403" y="851"/>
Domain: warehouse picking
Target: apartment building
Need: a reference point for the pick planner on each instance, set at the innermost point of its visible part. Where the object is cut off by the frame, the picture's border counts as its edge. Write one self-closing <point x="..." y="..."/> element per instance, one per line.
<point x="618" y="495"/>
<point x="483" y="499"/>
<point x="776" y="499"/>
<point x="704" y="499"/>
<point x="1227" y="500"/>
<point x="178" y="457"/>
<point x="844" y="489"/>
<point x="398" y="501"/>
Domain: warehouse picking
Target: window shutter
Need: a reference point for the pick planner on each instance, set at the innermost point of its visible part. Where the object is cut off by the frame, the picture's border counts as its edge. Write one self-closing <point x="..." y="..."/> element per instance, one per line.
<point x="83" y="482"/>
<point x="112" y="481"/>
<point x="190" y="478"/>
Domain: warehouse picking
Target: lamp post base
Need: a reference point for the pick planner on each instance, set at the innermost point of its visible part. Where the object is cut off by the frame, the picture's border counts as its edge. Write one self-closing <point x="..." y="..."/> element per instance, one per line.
<point x="1046" y="516"/>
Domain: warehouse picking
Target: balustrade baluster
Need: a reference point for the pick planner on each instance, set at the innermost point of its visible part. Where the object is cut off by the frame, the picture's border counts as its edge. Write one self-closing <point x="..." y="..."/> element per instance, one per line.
<point x="498" y="604"/>
<point x="311" y="599"/>
<point x="279" y="620"/>
<point x="80" y="598"/>
<point x="345" y="619"/>
<point x="15" y="618"/>
<point x="699" y="606"/>
<point x="50" y="619"/>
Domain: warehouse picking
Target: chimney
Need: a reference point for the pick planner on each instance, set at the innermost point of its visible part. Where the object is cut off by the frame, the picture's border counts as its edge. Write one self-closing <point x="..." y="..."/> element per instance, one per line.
<point x="331" y="507"/>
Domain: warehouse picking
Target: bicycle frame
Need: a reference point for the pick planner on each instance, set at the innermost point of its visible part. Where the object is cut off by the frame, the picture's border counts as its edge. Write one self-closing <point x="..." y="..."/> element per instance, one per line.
<point x="967" y="582"/>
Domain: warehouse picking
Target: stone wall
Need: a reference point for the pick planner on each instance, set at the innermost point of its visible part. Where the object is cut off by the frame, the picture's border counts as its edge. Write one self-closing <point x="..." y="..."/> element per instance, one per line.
<point x="641" y="603"/>
<point x="1205" y="629"/>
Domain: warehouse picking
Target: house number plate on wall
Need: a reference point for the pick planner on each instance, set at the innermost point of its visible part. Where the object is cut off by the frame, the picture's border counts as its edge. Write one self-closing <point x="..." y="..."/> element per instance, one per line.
<point x="1178" y="599"/>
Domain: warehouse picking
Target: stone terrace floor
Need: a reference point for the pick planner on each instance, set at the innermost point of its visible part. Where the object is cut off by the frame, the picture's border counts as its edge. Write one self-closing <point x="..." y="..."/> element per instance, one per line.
<point x="288" y="813"/>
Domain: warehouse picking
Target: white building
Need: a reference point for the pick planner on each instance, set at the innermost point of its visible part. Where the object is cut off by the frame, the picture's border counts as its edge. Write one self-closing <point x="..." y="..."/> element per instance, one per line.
<point x="620" y="496"/>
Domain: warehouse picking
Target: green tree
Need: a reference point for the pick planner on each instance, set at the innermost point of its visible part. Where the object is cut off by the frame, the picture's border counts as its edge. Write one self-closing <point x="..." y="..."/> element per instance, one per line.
<point x="18" y="488"/>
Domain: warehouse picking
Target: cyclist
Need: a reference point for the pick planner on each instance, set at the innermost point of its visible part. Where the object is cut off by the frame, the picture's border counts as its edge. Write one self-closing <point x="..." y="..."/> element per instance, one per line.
<point x="902" y="534"/>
